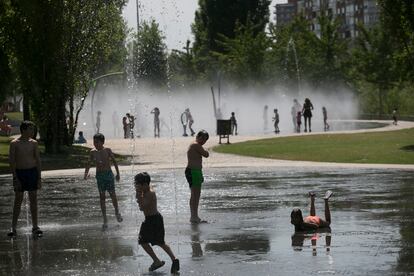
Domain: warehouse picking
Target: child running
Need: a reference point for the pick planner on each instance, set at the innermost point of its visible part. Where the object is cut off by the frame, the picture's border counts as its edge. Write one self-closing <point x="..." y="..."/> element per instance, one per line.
<point x="311" y="222"/>
<point x="104" y="177"/>
<point x="194" y="174"/>
<point x="152" y="229"/>
<point x="25" y="164"/>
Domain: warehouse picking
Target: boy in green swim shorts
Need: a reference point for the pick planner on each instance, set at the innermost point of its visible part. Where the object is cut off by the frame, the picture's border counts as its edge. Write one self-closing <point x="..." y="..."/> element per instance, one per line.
<point x="193" y="172"/>
<point x="104" y="177"/>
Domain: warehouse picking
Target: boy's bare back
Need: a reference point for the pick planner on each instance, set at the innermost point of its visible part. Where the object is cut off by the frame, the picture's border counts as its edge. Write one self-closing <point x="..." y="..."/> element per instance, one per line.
<point x="24" y="153"/>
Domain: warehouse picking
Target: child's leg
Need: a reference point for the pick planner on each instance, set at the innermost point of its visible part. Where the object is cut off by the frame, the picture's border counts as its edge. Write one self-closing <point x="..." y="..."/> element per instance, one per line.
<point x="310" y="123"/>
<point x="168" y="250"/>
<point x="114" y="201"/>
<point x="33" y="207"/>
<point x="312" y="207"/>
<point x="327" y="212"/>
<point x="194" y="201"/>
<point x="18" y="198"/>
<point x="150" y="252"/>
<point x="102" y="198"/>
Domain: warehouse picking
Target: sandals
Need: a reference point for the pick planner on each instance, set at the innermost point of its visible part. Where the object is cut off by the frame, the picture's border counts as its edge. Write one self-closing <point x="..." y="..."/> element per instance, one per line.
<point x="155" y="266"/>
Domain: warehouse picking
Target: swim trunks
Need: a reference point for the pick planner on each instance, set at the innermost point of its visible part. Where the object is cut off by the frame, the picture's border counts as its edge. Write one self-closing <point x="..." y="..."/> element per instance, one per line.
<point x="105" y="181"/>
<point x="194" y="177"/>
<point x="152" y="230"/>
<point x="28" y="178"/>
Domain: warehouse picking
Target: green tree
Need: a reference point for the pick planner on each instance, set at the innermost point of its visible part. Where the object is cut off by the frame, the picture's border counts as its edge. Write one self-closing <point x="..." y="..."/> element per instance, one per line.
<point x="243" y="56"/>
<point x="150" y="56"/>
<point x="373" y="62"/>
<point x="181" y="65"/>
<point x="216" y="19"/>
<point x="59" y="47"/>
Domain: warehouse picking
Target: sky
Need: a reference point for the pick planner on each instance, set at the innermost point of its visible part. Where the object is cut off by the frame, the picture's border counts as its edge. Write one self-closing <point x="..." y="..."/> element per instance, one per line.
<point x="174" y="17"/>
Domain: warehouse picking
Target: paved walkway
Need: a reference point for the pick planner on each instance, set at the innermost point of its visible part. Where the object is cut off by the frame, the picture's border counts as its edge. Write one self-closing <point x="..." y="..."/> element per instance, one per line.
<point x="167" y="153"/>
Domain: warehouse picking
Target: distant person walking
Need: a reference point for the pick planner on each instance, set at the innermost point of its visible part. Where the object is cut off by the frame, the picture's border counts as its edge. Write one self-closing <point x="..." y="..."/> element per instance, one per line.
<point x="295" y="109"/>
<point x="98" y="122"/>
<point x="276" y="121"/>
<point x="307" y="114"/>
<point x="190" y="121"/>
<point x="293" y="114"/>
<point x="156" y="112"/>
<point x="233" y="123"/>
<point x="184" y="122"/>
<point x="5" y="126"/>
<point x="395" y="116"/>
<point x="131" y="125"/>
<point x="125" y="126"/>
<point x="325" y="119"/>
<point x="265" y="109"/>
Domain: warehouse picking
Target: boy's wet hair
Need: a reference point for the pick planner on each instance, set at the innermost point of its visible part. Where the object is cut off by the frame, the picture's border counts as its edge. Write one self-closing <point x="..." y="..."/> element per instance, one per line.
<point x="25" y="125"/>
<point x="99" y="137"/>
<point x="296" y="213"/>
<point x="203" y="134"/>
<point x="143" y="177"/>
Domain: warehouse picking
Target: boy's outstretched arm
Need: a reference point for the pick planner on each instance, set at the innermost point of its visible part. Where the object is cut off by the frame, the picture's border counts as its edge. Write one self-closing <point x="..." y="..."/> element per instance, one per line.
<point x="111" y="155"/>
<point x="88" y="166"/>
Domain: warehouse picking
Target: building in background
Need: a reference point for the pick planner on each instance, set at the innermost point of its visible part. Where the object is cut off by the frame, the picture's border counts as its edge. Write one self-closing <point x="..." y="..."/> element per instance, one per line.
<point x="350" y="13"/>
<point x="285" y="13"/>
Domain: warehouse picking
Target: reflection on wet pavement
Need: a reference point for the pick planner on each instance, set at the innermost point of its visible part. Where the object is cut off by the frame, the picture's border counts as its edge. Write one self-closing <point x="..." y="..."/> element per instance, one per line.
<point x="248" y="233"/>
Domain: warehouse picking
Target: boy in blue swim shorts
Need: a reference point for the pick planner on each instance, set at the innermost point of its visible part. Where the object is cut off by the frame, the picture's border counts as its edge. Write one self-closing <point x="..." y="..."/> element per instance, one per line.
<point x="105" y="179"/>
<point x="194" y="174"/>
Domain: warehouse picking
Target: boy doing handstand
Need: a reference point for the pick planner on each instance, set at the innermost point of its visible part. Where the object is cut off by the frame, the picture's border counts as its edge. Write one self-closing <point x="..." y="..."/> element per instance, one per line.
<point x="152" y="229"/>
<point x="104" y="177"/>
<point x="25" y="166"/>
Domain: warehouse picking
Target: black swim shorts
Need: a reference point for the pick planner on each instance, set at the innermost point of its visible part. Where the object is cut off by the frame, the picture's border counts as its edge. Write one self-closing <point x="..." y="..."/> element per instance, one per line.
<point x="28" y="178"/>
<point x="152" y="230"/>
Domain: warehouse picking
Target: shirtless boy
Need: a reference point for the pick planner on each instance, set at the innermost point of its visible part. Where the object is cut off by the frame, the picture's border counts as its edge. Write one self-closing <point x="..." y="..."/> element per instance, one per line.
<point x="104" y="177"/>
<point x="193" y="172"/>
<point x="24" y="160"/>
<point x="152" y="229"/>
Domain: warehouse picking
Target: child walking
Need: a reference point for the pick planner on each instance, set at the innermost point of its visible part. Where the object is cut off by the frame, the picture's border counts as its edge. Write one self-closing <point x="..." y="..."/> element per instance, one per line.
<point x="233" y="123"/>
<point x="104" y="177"/>
<point x="25" y="165"/>
<point x="194" y="174"/>
<point x="276" y="121"/>
<point x="152" y="229"/>
<point x="325" y="119"/>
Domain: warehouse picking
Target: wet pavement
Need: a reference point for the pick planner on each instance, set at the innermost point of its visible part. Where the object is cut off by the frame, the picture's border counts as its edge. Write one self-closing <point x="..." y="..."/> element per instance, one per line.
<point x="248" y="233"/>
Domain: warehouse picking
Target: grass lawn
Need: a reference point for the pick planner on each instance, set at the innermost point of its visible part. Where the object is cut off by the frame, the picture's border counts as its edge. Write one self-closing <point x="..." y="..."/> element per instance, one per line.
<point x="391" y="147"/>
<point x="70" y="158"/>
